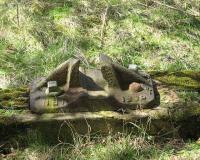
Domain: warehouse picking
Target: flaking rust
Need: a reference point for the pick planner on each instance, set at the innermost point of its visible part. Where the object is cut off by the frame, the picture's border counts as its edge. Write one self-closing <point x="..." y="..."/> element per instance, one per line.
<point x="71" y="88"/>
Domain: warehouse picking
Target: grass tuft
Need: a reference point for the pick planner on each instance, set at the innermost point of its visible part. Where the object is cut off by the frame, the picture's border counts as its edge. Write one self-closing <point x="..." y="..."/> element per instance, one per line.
<point x="153" y="35"/>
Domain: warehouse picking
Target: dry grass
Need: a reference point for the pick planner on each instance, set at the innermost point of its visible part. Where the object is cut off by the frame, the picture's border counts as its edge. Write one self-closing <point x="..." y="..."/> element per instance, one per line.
<point x="35" y="36"/>
<point x="112" y="147"/>
<point x="38" y="35"/>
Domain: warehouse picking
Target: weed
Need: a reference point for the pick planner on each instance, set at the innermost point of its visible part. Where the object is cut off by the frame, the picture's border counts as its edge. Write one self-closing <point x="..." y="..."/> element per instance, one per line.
<point x="150" y="35"/>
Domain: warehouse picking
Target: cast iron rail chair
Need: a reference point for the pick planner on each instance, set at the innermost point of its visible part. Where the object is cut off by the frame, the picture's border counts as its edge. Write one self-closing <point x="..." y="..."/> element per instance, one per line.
<point x="71" y="88"/>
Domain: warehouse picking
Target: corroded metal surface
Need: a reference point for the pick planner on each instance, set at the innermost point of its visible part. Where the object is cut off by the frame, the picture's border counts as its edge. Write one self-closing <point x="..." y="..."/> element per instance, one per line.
<point x="112" y="87"/>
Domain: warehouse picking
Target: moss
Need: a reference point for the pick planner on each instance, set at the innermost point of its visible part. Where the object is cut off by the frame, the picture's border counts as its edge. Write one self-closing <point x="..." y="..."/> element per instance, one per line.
<point x="14" y="104"/>
<point x="180" y="81"/>
<point x="50" y="107"/>
<point x="191" y="74"/>
<point x="183" y="79"/>
<point x="13" y="93"/>
<point x="189" y="96"/>
<point x="7" y="103"/>
<point x="14" y="97"/>
<point x="5" y="115"/>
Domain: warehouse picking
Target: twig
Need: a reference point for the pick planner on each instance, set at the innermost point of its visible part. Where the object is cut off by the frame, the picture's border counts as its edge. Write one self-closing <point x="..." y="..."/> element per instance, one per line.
<point x="142" y="4"/>
<point x="177" y="9"/>
<point x="82" y="57"/>
<point x="65" y="46"/>
<point x="166" y="5"/>
<point x="18" y="14"/>
<point x="104" y="20"/>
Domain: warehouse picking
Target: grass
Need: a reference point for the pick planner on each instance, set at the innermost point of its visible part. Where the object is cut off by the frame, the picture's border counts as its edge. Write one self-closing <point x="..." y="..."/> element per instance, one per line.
<point x="36" y="36"/>
<point x="45" y="33"/>
<point x="112" y="147"/>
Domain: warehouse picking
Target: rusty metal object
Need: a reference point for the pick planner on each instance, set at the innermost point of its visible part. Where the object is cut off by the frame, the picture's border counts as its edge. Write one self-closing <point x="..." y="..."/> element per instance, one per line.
<point x="70" y="88"/>
<point x="135" y="87"/>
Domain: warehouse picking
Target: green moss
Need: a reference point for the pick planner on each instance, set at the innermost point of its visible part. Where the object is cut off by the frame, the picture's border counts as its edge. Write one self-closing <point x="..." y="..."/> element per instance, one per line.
<point x="5" y="115"/>
<point x="7" y="103"/>
<point x="14" y="97"/>
<point x="189" y="96"/>
<point x="60" y="12"/>
<point x="180" y="81"/>
<point x="183" y="79"/>
<point x="11" y="95"/>
<point x="188" y="73"/>
<point x="14" y="92"/>
<point x="51" y="105"/>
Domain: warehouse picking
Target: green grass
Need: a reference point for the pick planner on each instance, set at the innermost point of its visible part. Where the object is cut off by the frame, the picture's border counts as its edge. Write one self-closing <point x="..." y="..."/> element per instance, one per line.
<point x="112" y="147"/>
<point x="142" y="32"/>
<point x="46" y="33"/>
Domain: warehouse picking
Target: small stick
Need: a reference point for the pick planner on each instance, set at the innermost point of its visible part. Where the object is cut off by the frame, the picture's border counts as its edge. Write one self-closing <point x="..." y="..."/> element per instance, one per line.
<point x="104" y="19"/>
<point x="174" y="8"/>
<point x="18" y="14"/>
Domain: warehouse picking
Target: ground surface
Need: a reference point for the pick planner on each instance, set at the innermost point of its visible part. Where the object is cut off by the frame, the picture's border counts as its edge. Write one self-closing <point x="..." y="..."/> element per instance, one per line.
<point x="36" y="36"/>
<point x="113" y="147"/>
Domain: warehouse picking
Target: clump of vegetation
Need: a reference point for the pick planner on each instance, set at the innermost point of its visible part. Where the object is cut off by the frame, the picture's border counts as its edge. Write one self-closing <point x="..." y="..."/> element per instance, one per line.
<point x="35" y="36"/>
<point x="183" y="79"/>
<point x="14" y="97"/>
<point x="111" y="147"/>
